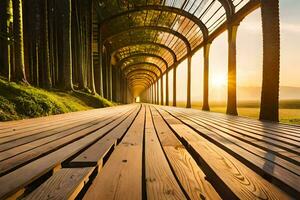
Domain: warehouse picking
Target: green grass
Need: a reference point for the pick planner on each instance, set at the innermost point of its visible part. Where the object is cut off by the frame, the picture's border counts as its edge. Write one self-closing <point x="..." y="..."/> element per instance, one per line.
<point x="289" y="111"/>
<point x="19" y="101"/>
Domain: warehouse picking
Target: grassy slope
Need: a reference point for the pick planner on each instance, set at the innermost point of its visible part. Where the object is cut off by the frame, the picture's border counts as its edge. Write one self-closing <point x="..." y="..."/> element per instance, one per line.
<point x="20" y="101"/>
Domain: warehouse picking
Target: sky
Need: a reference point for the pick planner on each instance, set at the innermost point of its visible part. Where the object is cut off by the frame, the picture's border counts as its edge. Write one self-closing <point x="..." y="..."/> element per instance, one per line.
<point x="249" y="57"/>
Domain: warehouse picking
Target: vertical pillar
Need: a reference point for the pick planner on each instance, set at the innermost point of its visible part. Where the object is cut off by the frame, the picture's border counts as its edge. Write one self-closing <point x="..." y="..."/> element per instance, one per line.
<point x="161" y="90"/>
<point x="174" y="85"/>
<point x="206" y="77"/>
<point x="231" y="98"/>
<point x="153" y="94"/>
<point x="189" y="72"/>
<point x="100" y="49"/>
<point x="125" y="91"/>
<point x="167" y="87"/>
<point x="157" y="92"/>
<point x="106" y="74"/>
<point x="110" y="80"/>
<point x="271" y="60"/>
<point x="150" y="94"/>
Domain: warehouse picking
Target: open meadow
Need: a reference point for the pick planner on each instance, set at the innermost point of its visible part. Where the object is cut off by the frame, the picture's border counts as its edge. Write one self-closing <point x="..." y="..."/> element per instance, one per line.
<point x="289" y="109"/>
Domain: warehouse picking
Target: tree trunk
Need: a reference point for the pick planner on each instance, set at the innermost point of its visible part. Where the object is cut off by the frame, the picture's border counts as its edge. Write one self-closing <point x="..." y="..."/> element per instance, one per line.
<point x="66" y="43"/>
<point x="5" y="39"/>
<point x="19" y="45"/>
<point x="45" y="44"/>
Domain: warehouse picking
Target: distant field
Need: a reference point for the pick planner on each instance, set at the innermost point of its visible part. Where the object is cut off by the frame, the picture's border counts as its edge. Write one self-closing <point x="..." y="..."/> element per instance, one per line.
<point x="289" y="109"/>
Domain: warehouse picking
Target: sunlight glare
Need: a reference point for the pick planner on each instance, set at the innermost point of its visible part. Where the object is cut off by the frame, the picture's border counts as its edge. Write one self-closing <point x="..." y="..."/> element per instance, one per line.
<point x="218" y="81"/>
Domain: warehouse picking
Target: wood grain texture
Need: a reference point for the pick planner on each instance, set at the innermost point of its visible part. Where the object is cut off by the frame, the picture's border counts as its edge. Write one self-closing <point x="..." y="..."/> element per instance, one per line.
<point x="262" y="144"/>
<point x="266" y="163"/>
<point x="268" y="151"/>
<point x="160" y="181"/>
<point x="16" y="156"/>
<point x="95" y="154"/>
<point x="191" y="177"/>
<point x="64" y="184"/>
<point x="26" y="174"/>
<point x="238" y="178"/>
<point x="121" y="176"/>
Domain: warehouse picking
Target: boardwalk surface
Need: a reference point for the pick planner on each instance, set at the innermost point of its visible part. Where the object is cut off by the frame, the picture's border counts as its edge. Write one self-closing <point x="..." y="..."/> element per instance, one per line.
<point x="148" y="152"/>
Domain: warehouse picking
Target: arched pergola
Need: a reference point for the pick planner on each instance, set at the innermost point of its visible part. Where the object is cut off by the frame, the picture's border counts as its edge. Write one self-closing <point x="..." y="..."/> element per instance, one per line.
<point x="144" y="40"/>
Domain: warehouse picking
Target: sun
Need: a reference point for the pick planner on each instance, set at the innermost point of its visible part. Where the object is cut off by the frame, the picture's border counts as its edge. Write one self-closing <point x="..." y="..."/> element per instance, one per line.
<point x="218" y="80"/>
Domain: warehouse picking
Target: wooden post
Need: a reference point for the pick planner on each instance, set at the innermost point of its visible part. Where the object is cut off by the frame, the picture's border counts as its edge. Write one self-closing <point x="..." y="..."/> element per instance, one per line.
<point x="100" y="49"/>
<point x="167" y="87"/>
<point x="271" y="60"/>
<point x="157" y="92"/>
<point x="231" y="98"/>
<point x="161" y="90"/>
<point x="174" y="85"/>
<point x="110" y="82"/>
<point x="189" y="73"/>
<point x="205" y="105"/>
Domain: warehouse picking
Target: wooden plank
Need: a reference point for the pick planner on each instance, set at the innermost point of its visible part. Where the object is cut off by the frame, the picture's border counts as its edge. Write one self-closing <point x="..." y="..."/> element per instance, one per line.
<point x="26" y="123"/>
<point x="28" y="152"/>
<point x="55" y="131"/>
<point x="286" y="174"/>
<point x="255" y="142"/>
<point x="282" y="143"/>
<point x="291" y="129"/>
<point x="191" y="177"/>
<point x="26" y="135"/>
<point x="232" y="179"/>
<point x="232" y="125"/>
<point x="64" y="184"/>
<point x="160" y="181"/>
<point x="38" y="128"/>
<point x="18" y="179"/>
<point x="121" y="176"/>
<point x="95" y="154"/>
<point x="200" y="126"/>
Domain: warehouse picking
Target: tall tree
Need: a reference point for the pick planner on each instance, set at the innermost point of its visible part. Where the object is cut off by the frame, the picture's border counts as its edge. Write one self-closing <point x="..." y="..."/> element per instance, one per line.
<point x="18" y="40"/>
<point x="45" y="44"/>
<point x="5" y="39"/>
<point x="66" y="16"/>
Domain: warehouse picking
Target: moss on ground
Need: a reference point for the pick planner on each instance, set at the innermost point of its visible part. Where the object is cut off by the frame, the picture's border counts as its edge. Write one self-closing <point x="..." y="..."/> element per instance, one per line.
<point x="18" y="101"/>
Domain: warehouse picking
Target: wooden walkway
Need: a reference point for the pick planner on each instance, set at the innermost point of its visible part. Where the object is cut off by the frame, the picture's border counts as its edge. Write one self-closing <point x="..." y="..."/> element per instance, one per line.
<point x="148" y="152"/>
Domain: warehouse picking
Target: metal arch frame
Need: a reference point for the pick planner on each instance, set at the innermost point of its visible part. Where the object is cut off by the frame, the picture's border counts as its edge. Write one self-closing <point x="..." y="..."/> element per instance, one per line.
<point x="142" y="76"/>
<point x="128" y="70"/>
<point x="144" y="86"/>
<point x="229" y="8"/>
<point x="174" y="56"/>
<point x="139" y="78"/>
<point x="143" y="55"/>
<point x="155" y="28"/>
<point x="143" y="63"/>
<point x="138" y="82"/>
<point x="164" y="8"/>
<point x="142" y="70"/>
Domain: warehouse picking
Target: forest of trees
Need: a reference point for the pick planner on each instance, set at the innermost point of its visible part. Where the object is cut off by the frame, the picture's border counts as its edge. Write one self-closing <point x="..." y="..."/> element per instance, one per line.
<point x="56" y="44"/>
